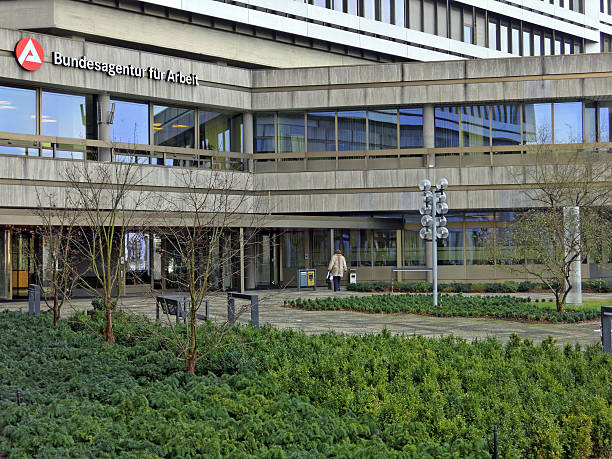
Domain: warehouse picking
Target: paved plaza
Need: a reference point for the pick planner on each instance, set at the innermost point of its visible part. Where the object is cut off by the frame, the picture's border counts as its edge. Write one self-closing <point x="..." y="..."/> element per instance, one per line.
<point x="311" y="322"/>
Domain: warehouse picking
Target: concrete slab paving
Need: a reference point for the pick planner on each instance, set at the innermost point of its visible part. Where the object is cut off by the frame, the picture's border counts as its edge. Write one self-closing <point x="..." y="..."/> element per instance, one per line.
<point x="313" y="322"/>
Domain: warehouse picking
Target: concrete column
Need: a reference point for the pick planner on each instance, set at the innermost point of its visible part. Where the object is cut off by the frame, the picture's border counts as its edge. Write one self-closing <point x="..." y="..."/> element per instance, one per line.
<point x="249" y="260"/>
<point x="571" y="223"/>
<point x="249" y="138"/>
<point x="104" y="154"/>
<point x="429" y="139"/>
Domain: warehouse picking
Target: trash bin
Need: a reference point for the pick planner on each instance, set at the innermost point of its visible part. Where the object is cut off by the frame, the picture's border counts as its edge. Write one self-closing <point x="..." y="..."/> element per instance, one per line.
<point x="352" y="277"/>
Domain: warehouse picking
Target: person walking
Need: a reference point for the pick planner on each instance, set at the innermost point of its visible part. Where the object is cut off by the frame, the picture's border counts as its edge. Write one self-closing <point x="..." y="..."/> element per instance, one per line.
<point x="337" y="267"/>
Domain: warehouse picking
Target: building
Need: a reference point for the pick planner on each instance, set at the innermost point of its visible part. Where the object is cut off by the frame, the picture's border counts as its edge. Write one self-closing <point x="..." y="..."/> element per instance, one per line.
<point x="287" y="94"/>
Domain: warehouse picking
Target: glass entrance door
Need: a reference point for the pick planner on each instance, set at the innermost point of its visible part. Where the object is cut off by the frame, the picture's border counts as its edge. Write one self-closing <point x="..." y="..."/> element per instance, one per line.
<point x="6" y="292"/>
<point x="263" y="260"/>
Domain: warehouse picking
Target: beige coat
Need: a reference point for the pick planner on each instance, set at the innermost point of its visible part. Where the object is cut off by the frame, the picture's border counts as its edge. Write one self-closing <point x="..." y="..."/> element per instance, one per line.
<point x="337" y="265"/>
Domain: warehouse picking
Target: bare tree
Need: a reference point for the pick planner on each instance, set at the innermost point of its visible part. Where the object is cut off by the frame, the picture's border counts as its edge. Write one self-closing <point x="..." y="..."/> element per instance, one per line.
<point x="199" y="225"/>
<point x="56" y="266"/>
<point x="544" y="242"/>
<point x="108" y="198"/>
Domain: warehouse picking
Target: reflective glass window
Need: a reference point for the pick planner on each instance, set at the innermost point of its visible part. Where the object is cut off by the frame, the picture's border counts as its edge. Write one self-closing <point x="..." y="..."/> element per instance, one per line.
<point x="590" y="122"/>
<point x="173" y="126"/>
<point x="293" y="249"/>
<point x="450" y="251"/>
<point x="506" y="124"/>
<point x="221" y="131"/>
<point x="351" y="130"/>
<point x="526" y="43"/>
<point x="264" y="133"/>
<point x="399" y="13"/>
<point x="537" y="121"/>
<point x="537" y="44"/>
<point x="320" y="248"/>
<point x="338" y="5"/>
<point x="131" y="122"/>
<point x="385" y="11"/>
<point x="568" y="122"/>
<point x="385" y="248"/>
<point x="355" y="246"/>
<point x="414" y="248"/>
<point x="369" y="9"/>
<point x="557" y="46"/>
<point x="547" y="46"/>
<point x="492" y="35"/>
<point x="351" y="6"/>
<point x="411" y="127"/>
<point x="516" y="42"/>
<point x="291" y="137"/>
<point x="475" y="125"/>
<point x="503" y="38"/>
<point x="382" y="125"/>
<point x="478" y="241"/>
<point x="321" y="128"/>
<point x="64" y="115"/>
<point x="567" y="48"/>
<point x="605" y="121"/>
<point x="446" y="127"/>
<point x="468" y="35"/>
<point x="17" y="110"/>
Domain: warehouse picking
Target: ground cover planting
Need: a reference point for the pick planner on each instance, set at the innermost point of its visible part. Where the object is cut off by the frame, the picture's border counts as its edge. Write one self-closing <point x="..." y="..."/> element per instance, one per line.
<point x="499" y="307"/>
<point x="279" y="393"/>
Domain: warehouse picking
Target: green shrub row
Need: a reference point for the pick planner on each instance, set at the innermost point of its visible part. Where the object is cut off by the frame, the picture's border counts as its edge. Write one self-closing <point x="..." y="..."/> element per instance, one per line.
<point x="500" y="307"/>
<point x="453" y="287"/>
<point x="284" y="394"/>
<point x="601" y="286"/>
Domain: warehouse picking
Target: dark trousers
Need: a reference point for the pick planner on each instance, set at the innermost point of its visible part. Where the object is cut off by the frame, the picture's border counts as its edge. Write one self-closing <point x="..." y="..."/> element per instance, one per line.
<point x="337" y="283"/>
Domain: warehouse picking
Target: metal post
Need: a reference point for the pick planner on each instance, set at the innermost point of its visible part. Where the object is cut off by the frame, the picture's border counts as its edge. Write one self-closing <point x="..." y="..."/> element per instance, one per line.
<point x="34" y="300"/>
<point x="434" y="248"/>
<point x="495" y="452"/>
<point x="231" y="311"/>
<point x="255" y="311"/>
<point x="606" y="328"/>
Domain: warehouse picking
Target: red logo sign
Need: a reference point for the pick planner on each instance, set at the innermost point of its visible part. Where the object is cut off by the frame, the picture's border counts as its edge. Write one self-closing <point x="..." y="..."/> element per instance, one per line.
<point x="29" y="54"/>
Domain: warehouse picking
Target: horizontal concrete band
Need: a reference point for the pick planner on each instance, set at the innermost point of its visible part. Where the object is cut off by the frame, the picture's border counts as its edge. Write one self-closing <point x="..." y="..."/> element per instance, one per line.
<point x="467" y="81"/>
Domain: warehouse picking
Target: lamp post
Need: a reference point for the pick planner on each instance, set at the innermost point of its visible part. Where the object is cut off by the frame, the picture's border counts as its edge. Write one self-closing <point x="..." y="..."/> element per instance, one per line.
<point x="433" y="209"/>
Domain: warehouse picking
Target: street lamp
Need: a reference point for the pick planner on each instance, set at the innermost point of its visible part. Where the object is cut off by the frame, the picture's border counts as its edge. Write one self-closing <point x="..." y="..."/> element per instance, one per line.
<point x="433" y="208"/>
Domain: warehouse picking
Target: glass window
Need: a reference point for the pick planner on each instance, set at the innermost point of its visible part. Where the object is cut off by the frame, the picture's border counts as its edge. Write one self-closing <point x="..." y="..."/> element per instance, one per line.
<point x="590" y="122"/>
<point x="351" y="130"/>
<point x="568" y="122"/>
<point x="446" y="127"/>
<point x="475" y="125"/>
<point x="537" y="123"/>
<point x="450" y="251"/>
<point x="220" y="131"/>
<point x="17" y="110"/>
<point x="64" y="115"/>
<point x="320" y="248"/>
<point x="477" y="245"/>
<point x="351" y="6"/>
<point x="468" y="34"/>
<point x="131" y="122"/>
<point x="506" y="124"/>
<point x="537" y="44"/>
<point x="173" y="126"/>
<point x="385" y="11"/>
<point x="557" y="47"/>
<point x="503" y="38"/>
<point x="398" y="13"/>
<point x="264" y="133"/>
<point x="492" y="35"/>
<point x="568" y="48"/>
<point x="385" y="248"/>
<point x="414" y="248"/>
<point x="338" y="5"/>
<point x="293" y="249"/>
<point x="526" y="43"/>
<point x="547" y="46"/>
<point x="411" y="127"/>
<point x="605" y="121"/>
<point x="516" y="42"/>
<point x="291" y="137"/>
<point x="382" y="125"/>
<point x="369" y="10"/>
<point x="355" y="246"/>
<point x="321" y="131"/>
